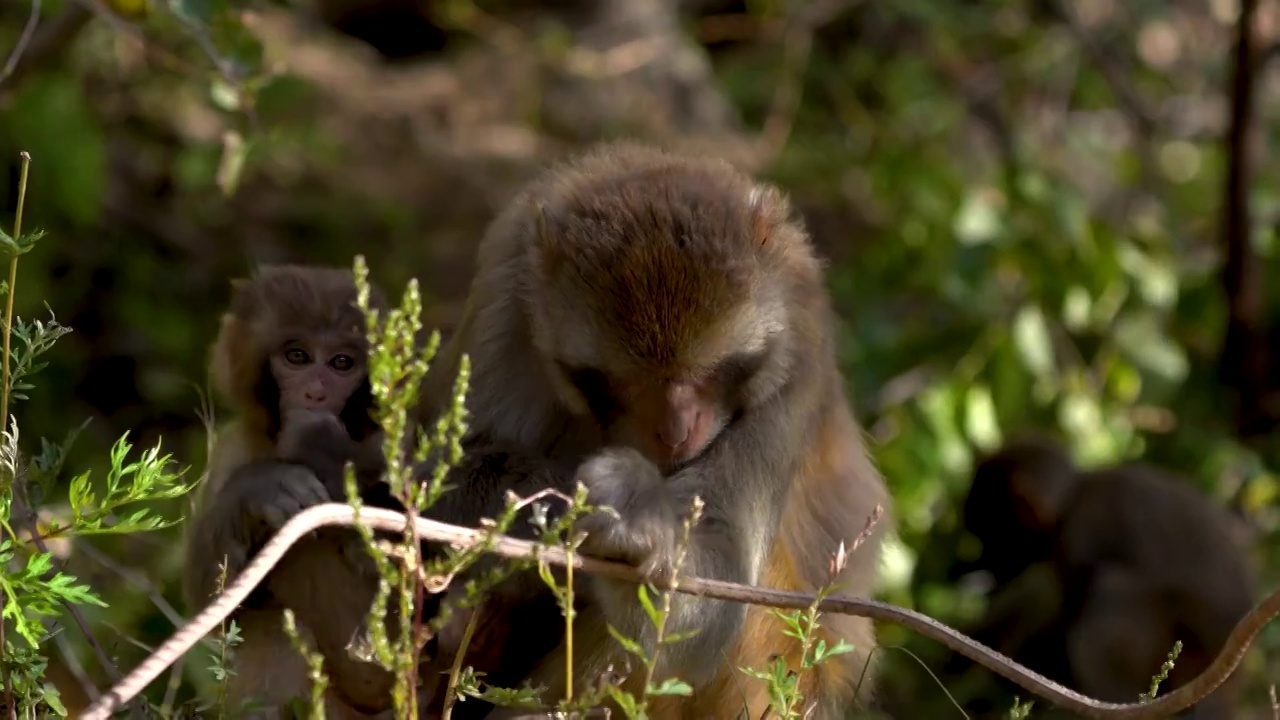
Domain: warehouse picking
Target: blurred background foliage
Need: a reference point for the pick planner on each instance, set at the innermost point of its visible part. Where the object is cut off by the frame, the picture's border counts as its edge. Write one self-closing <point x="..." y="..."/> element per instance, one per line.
<point x="1024" y="204"/>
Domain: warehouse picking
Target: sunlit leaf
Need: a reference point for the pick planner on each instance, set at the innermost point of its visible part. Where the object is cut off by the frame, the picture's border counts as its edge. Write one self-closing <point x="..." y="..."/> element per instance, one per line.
<point x="1157" y="278"/>
<point x="224" y="95"/>
<point x="980" y="421"/>
<point x="978" y="220"/>
<point x="1139" y="337"/>
<point x="234" y="152"/>
<point x="1076" y="306"/>
<point x="1079" y="414"/>
<point x="671" y="686"/>
<point x="1031" y="335"/>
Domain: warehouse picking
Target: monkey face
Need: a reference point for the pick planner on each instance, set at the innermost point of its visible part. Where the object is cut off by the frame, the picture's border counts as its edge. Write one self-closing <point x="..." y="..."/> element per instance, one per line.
<point x="659" y="292"/>
<point x="670" y="411"/>
<point x="670" y="421"/>
<point x="317" y="373"/>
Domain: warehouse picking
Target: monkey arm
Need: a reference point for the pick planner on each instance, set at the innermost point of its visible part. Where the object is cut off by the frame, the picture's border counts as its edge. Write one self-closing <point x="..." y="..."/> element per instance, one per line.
<point x="484" y="477"/>
<point x="725" y="544"/>
<point x="720" y="547"/>
<point x="241" y="514"/>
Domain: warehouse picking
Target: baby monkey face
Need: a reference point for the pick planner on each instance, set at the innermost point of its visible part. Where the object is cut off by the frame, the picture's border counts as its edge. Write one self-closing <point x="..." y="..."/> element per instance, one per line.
<point x="317" y="373"/>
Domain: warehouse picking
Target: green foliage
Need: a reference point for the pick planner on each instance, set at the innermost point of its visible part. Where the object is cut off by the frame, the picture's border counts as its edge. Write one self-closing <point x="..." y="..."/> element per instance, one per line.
<point x="24" y="667"/>
<point x="32" y="589"/>
<point x="33" y="594"/>
<point x="145" y="480"/>
<point x="785" y="697"/>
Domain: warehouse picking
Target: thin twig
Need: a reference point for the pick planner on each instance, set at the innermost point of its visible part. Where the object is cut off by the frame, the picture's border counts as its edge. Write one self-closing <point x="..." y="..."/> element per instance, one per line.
<point x="797" y="47"/>
<point x="74" y="667"/>
<point x="76" y="614"/>
<point x="450" y="696"/>
<point x="24" y="40"/>
<point x="175" y="684"/>
<point x="136" y="579"/>
<point x="51" y="41"/>
<point x="1114" y="71"/>
<point x="336" y="514"/>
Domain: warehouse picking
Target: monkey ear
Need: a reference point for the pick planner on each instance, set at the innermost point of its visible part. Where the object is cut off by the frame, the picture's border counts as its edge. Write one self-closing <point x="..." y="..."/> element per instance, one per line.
<point x="549" y="250"/>
<point x="1034" y="507"/>
<point x="765" y="202"/>
<point x="540" y="222"/>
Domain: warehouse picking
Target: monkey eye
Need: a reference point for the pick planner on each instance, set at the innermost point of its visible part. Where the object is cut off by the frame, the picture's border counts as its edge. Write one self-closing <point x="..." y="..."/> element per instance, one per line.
<point x="734" y="371"/>
<point x="342" y="363"/>
<point x="595" y="388"/>
<point x="297" y="356"/>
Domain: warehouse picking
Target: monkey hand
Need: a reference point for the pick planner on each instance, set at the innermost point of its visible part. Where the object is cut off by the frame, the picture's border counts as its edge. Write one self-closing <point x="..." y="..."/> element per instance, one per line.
<point x="643" y="528"/>
<point x="305" y="432"/>
<point x="275" y="497"/>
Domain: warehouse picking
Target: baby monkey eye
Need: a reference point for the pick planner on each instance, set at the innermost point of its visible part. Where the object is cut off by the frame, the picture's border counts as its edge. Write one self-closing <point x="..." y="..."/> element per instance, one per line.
<point x="342" y="363"/>
<point x="297" y="356"/>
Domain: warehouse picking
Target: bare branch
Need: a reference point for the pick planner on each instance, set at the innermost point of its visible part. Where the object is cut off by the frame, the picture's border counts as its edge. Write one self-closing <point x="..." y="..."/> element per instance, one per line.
<point x="28" y="32"/>
<point x="134" y="578"/>
<point x="336" y="514"/>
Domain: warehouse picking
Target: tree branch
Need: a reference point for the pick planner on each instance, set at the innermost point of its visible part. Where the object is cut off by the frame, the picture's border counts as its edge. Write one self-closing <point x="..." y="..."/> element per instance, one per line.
<point x="1242" y="365"/>
<point x="28" y="32"/>
<point x="336" y="514"/>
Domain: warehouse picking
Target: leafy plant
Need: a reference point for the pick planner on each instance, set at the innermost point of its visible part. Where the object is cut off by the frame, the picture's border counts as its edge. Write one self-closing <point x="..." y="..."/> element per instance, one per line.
<point x="33" y="588"/>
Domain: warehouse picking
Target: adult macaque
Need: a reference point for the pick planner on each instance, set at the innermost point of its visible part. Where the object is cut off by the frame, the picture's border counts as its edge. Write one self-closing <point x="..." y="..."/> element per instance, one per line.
<point x="661" y="323"/>
<point x="1096" y="574"/>
<point x="290" y="360"/>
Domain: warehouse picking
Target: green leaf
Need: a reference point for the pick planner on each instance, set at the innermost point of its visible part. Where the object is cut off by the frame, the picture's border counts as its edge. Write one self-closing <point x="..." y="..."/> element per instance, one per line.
<point x="655" y="615"/>
<point x="628" y="644"/>
<point x="1076" y="308"/>
<point x="977" y="222"/>
<point x="1031" y="336"/>
<point x="671" y="686"/>
<point x="49" y="694"/>
<point x="224" y="96"/>
<point x="234" y="153"/>
<point x="981" y="423"/>
<point x="823" y="652"/>
<point x="674" y="637"/>
<point x="1079" y="414"/>
<point x="1139" y="337"/>
<point x="1157" y="278"/>
<point x="626" y="702"/>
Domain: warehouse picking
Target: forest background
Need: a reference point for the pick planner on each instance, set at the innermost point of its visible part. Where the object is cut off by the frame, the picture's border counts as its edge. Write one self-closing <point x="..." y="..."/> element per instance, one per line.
<point x="1053" y="214"/>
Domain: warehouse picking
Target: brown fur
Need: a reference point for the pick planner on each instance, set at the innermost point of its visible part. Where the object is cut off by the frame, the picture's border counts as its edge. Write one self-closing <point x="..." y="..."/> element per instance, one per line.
<point x="652" y="266"/>
<point x="327" y="581"/>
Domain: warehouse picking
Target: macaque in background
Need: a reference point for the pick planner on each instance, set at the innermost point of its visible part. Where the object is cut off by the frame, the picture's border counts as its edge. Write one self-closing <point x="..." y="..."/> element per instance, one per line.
<point x="291" y="361"/>
<point x="661" y="324"/>
<point x="1097" y="573"/>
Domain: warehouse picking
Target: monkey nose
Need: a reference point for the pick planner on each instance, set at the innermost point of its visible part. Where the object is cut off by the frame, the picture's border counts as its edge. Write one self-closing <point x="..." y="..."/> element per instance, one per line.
<point x="676" y="431"/>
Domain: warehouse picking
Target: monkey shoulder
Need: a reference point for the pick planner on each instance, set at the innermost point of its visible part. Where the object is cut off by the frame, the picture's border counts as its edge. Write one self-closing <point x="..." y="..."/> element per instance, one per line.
<point x="1141" y="516"/>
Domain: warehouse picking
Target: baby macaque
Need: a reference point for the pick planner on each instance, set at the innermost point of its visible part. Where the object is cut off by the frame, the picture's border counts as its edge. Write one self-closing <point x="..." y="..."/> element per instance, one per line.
<point x="290" y="360"/>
